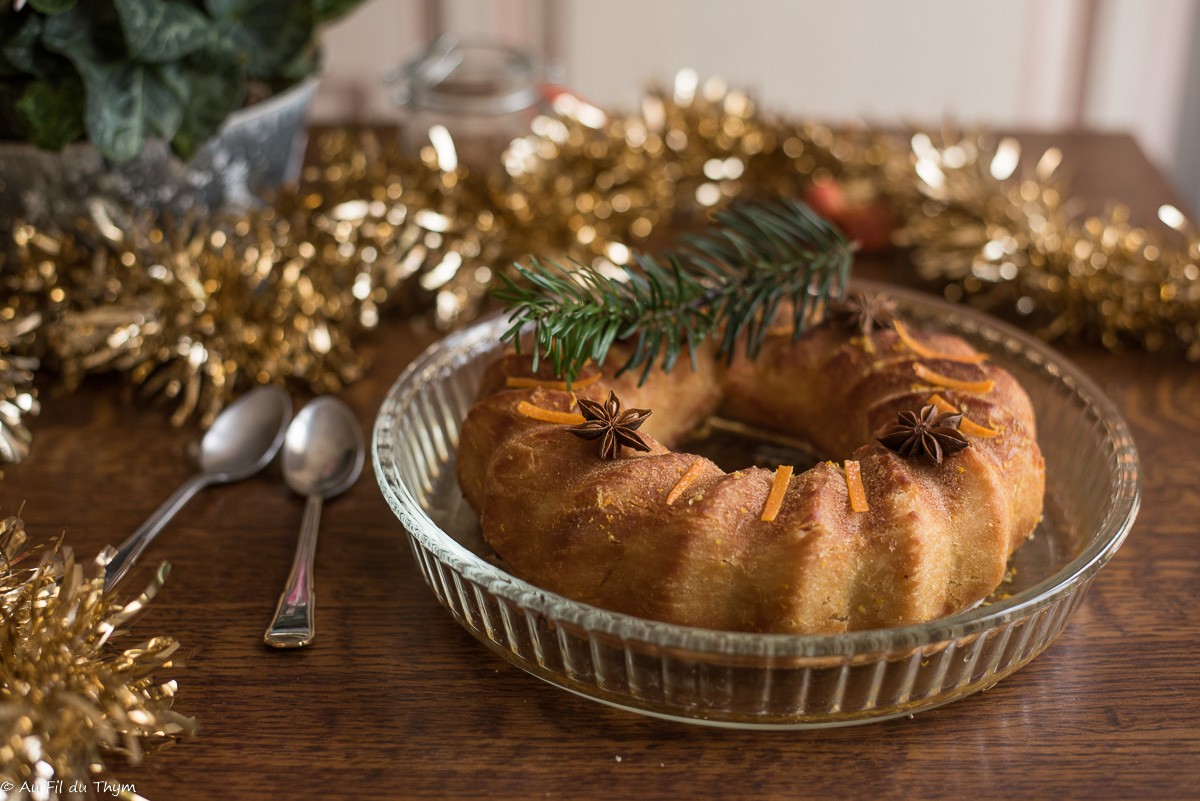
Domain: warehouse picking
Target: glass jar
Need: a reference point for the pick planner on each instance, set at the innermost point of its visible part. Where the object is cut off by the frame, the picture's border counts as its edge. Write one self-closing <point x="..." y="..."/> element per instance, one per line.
<point x="484" y="95"/>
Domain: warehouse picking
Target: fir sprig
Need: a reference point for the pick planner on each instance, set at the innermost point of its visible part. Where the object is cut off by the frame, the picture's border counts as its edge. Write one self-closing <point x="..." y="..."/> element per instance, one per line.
<point x="730" y="280"/>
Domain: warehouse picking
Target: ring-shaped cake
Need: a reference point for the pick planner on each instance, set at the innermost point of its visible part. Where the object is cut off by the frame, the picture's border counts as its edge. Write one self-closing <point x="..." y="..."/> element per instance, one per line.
<point x="902" y="525"/>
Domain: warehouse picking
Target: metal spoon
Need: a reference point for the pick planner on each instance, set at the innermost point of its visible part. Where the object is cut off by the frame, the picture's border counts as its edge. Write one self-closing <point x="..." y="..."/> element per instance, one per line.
<point x="322" y="456"/>
<point x="242" y="440"/>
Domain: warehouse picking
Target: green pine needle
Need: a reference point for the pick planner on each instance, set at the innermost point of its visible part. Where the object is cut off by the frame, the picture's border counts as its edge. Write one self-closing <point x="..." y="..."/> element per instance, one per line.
<point x="729" y="281"/>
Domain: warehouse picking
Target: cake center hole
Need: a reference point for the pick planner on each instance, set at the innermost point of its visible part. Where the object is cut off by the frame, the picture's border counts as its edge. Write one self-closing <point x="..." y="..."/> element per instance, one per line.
<point x="735" y="446"/>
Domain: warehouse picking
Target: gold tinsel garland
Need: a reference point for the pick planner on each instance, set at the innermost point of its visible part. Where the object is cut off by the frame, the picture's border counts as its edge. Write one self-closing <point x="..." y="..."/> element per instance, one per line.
<point x="1011" y="244"/>
<point x="17" y="395"/>
<point x="196" y="310"/>
<point x="68" y="698"/>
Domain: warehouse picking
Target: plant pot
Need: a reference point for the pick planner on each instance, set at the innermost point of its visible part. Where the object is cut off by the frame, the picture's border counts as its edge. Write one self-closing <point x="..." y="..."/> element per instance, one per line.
<point x="257" y="149"/>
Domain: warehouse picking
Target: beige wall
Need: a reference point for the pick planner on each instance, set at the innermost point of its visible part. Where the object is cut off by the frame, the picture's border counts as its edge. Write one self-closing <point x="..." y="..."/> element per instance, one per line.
<point x="1115" y="64"/>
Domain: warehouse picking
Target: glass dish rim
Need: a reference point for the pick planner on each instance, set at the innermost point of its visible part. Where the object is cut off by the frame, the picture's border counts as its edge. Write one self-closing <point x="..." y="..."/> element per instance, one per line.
<point x="1104" y="543"/>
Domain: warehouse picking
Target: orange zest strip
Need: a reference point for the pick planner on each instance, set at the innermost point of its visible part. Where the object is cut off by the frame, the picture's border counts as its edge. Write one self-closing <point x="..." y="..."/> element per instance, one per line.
<point x="527" y="382"/>
<point x="685" y="481"/>
<point x="937" y="379"/>
<point x="941" y="404"/>
<point x="854" y="487"/>
<point x="926" y="352"/>
<point x="548" y="415"/>
<point x="781" y="330"/>
<point x="783" y="474"/>
<point x="967" y="426"/>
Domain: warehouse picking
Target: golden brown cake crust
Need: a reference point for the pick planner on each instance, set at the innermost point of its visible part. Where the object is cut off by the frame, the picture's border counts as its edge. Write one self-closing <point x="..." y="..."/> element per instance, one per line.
<point x="935" y="540"/>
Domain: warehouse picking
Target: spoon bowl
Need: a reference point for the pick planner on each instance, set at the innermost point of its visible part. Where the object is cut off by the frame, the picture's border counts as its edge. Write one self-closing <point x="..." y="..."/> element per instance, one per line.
<point x="242" y="441"/>
<point x="246" y="436"/>
<point x="324" y="450"/>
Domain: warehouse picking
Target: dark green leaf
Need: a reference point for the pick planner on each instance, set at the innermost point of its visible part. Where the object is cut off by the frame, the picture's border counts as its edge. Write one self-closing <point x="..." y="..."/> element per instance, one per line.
<point x="53" y="113"/>
<point x="213" y="95"/>
<point x="155" y="67"/>
<point x="329" y="10"/>
<point x="306" y="62"/>
<point x="227" y="9"/>
<point x="116" y="109"/>
<point x="165" y="101"/>
<point x="20" y="47"/>
<point x="11" y="124"/>
<point x="269" y="33"/>
<point x="88" y="35"/>
<point x="158" y="31"/>
<point x="114" y="87"/>
<point x="52" y="6"/>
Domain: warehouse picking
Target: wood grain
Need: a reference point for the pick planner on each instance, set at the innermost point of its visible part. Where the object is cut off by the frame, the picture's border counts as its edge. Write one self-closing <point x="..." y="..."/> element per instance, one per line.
<point x="395" y="700"/>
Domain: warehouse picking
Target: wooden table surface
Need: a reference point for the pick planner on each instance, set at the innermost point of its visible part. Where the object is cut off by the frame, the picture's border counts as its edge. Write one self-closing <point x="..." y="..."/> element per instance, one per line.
<point x="395" y="700"/>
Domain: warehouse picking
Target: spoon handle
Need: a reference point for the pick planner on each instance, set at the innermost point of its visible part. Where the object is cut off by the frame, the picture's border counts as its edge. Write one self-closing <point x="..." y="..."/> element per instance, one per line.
<point x="293" y="626"/>
<point x="132" y="548"/>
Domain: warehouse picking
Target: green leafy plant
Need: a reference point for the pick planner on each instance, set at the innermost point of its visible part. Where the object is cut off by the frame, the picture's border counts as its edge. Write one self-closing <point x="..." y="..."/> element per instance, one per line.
<point x="730" y="281"/>
<point x="122" y="71"/>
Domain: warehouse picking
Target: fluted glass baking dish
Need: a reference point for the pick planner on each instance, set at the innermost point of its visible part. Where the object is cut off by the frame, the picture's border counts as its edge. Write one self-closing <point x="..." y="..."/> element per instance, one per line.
<point x="767" y="680"/>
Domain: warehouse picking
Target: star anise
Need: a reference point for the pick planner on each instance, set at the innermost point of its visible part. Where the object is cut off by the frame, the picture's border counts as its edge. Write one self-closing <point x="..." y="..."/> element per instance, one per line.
<point x="926" y="433"/>
<point x="613" y="427"/>
<point x="863" y="312"/>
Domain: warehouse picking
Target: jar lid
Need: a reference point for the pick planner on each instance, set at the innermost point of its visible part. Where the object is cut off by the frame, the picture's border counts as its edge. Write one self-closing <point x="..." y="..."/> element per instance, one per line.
<point x="470" y="78"/>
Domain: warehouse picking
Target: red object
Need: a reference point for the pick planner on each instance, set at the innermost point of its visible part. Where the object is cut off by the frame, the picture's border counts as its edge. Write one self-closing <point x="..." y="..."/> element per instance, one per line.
<point x="869" y="224"/>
